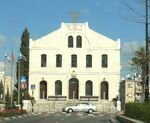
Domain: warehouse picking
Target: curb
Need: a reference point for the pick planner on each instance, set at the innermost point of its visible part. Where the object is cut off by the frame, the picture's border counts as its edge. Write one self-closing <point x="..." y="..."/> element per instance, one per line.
<point x="16" y="117"/>
<point x="125" y="119"/>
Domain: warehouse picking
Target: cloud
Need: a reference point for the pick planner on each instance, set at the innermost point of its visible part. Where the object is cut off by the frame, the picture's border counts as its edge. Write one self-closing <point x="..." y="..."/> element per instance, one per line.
<point x="2" y="40"/>
<point x="127" y="52"/>
<point x="130" y="47"/>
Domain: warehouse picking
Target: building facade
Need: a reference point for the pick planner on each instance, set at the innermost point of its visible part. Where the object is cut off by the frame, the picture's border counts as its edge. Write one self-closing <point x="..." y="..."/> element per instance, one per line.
<point x="131" y="91"/>
<point x="6" y="80"/>
<point x="74" y="61"/>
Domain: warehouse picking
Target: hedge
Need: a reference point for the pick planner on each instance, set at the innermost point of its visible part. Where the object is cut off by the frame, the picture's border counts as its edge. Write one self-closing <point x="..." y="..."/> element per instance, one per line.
<point x="139" y="111"/>
<point x="11" y="112"/>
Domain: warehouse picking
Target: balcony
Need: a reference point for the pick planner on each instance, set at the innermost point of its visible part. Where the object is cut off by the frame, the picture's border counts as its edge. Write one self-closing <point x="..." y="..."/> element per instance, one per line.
<point x="138" y="90"/>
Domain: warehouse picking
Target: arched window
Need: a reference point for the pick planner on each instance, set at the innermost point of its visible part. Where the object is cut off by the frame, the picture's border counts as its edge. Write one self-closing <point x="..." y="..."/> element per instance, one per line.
<point x="73" y="60"/>
<point x="58" y="60"/>
<point x="43" y="60"/>
<point x="88" y="60"/>
<point x="43" y="90"/>
<point x="70" y="41"/>
<point x="88" y="88"/>
<point x="79" y="42"/>
<point x="104" y="90"/>
<point x="104" y="60"/>
<point x="58" y="87"/>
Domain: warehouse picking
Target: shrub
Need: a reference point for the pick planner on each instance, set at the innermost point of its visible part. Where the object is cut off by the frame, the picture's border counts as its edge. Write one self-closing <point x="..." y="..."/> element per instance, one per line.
<point x="12" y="112"/>
<point x="140" y="111"/>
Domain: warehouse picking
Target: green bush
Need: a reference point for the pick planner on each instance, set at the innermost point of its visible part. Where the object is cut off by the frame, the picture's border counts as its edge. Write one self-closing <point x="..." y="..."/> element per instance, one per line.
<point x="12" y="112"/>
<point x="139" y="111"/>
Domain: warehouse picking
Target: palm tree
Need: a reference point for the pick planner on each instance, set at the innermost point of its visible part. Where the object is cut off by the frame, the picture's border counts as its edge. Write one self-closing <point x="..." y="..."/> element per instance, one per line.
<point x="139" y="63"/>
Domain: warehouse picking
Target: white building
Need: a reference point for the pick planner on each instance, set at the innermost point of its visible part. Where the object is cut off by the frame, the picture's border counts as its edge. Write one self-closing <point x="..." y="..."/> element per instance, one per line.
<point x="74" y="61"/>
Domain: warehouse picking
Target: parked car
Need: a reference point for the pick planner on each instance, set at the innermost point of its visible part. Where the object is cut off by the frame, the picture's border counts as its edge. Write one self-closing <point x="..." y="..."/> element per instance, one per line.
<point x="82" y="107"/>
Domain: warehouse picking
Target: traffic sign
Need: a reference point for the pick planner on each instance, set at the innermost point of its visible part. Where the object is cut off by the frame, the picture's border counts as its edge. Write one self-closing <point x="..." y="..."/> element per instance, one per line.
<point x="33" y="87"/>
<point x="23" y="79"/>
<point x="23" y="85"/>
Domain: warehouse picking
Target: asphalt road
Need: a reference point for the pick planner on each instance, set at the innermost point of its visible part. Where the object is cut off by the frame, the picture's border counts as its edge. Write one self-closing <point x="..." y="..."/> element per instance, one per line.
<point x="62" y="118"/>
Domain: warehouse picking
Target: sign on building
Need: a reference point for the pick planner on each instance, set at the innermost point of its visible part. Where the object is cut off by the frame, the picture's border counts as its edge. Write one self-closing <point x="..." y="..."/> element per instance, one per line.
<point x="33" y="87"/>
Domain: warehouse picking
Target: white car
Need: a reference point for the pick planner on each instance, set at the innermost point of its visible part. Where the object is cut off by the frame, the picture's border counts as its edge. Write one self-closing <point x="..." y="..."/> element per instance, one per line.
<point x="83" y="107"/>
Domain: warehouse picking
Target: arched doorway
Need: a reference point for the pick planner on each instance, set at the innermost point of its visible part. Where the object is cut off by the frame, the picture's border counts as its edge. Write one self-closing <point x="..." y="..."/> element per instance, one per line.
<point x="104" y="90"/>
<point x="43" y="90"/>
<point x="73" y="88"/>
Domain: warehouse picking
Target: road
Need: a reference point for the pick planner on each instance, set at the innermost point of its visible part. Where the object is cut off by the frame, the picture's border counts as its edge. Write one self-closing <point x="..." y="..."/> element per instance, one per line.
<point x="62" y="118"/>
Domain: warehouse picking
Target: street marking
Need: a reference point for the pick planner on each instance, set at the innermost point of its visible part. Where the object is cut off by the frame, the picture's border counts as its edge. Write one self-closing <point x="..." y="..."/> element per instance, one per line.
<point x="19" y="116"/>
<point x="13" y="117"/>
<point x="6" y="118"/>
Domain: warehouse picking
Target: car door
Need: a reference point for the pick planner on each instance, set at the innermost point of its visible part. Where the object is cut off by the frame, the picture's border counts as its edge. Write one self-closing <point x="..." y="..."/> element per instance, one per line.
<point x="78" y="107"/>
<point x="84" y="107"/>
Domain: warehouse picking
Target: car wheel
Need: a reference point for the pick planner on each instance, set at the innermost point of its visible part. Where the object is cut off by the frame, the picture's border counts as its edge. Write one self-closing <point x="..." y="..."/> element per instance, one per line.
<point x="70" y="110"/>
<point x="90" y="111"/>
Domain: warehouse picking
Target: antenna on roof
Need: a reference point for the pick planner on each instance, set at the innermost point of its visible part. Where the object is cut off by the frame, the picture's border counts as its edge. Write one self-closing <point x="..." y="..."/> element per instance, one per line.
<point x="75" y="16"/>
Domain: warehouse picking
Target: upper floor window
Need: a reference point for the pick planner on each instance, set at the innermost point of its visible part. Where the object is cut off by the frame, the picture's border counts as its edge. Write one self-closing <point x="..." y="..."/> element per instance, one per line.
<point x="58" y="60"/>
<point x="73" y="60"/>
<point x="79" y="42"/>
<point x="70" y="41"/>
<point x="88" y="60"/>
<point x="104" y="60"/>
<point x="58" y="87"/>
<point x="43" y="60"/>
<point x="88" y="88"/>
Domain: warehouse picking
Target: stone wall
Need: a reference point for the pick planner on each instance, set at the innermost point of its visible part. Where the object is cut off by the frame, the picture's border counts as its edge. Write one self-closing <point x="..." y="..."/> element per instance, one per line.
<point x="56" y="106"/>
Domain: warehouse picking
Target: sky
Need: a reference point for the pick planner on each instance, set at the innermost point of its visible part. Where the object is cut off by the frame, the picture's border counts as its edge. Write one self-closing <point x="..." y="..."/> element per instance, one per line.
<point x="41" y="17"/>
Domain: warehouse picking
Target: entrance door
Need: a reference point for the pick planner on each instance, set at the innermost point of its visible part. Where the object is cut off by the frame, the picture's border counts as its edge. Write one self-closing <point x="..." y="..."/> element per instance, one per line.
<point x="43" y="90"/>
<point x="104" y="90"/>
<point x="73" y="88"/>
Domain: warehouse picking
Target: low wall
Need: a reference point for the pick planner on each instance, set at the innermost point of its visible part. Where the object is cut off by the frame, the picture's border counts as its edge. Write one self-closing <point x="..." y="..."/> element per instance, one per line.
<point x="56" y="106"/>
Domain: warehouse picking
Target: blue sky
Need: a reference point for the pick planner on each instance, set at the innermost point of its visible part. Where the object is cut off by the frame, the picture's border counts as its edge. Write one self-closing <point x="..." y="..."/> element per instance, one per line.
<point x="44" y="16"/>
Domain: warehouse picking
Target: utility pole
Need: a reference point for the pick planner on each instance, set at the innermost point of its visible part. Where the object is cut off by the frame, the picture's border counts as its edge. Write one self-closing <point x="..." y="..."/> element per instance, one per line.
<point x="4" y="80"/>
<point x="147" y="52"/>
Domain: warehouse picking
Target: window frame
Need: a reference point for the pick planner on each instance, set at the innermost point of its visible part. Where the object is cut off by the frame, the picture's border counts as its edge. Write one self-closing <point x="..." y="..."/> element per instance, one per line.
<point x="58" y="60"/>
<point x="70" y="41"/>
<point x="88" y="61"/>
<point x="89" y="88"/>
<point x="43" y="60"/>
<point x="104" y="62"/>
<point x="58" y="88"/>
<point x="79" y="41"/>
<point x="73" y="60"/>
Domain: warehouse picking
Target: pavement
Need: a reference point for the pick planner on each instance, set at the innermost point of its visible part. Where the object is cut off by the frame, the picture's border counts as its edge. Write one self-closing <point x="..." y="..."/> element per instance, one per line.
<point x="95" y="114"/>
<point x="18" y="116"/>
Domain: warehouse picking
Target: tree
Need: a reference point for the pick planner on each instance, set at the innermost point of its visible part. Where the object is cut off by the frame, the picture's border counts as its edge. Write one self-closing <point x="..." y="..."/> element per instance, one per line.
<point x="1" y="91"/>
<point x="24" y="64"/>
<point x="7" y="99"/>
<point x="143" y="17"/>
<point x="139" y="62"/>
